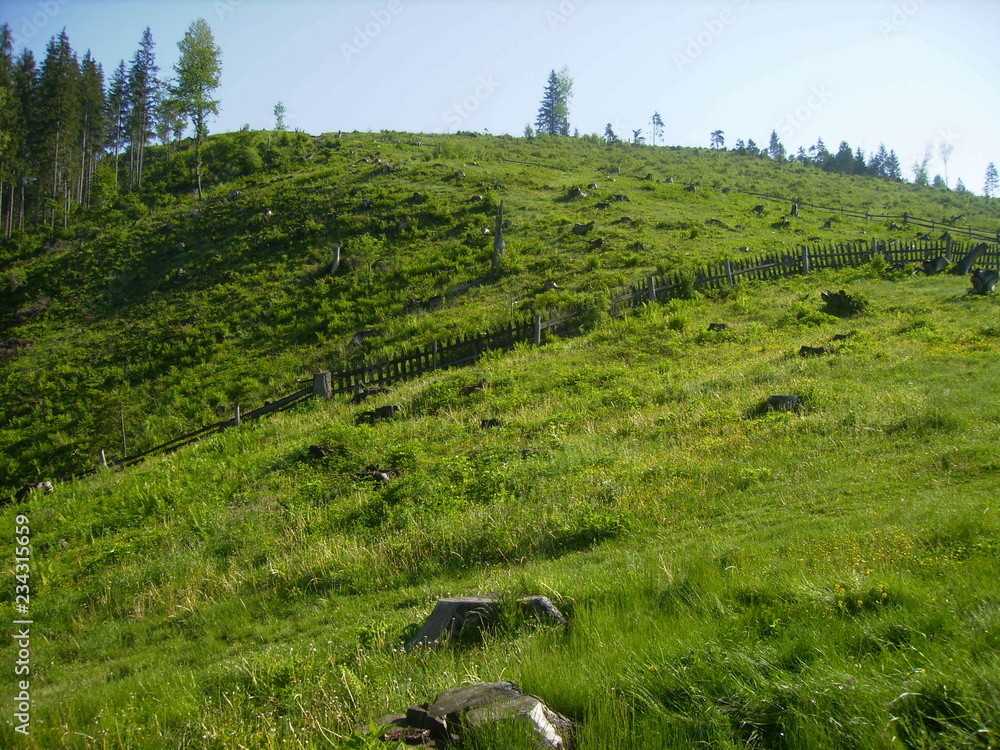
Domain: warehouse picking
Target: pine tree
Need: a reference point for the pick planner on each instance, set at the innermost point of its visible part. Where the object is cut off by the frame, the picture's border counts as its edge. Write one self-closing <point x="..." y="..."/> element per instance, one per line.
<point x="893" y="170"/>
<point x="843" y="161"/>
<point x="960" y="186"/>
<point x="657" y="122"/>
<point x="25" y="134"/>
<point x="59" y="123"/>
<point x="93" y="124"/>
<point x="775" y="149"/>
<point x="609" y="134"/>
<point x="637" y="137"/>
<point x="859" y="161"/>
<point x="819" y="154"/>
<point x="553" y="114"/>
<point x="877" y="162"/>
<point x="992" y="182"/>
<point x="198" y="72"/>
<point x="718" y="139"/>
<point x="118" y="109"/>
<point x="143" y="92"/>
<point x="8" y="145"/>
<point x="279" y="117"/>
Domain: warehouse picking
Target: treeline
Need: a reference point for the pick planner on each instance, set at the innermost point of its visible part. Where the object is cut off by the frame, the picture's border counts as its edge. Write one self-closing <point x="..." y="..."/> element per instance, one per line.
<point x="70" y="139"/>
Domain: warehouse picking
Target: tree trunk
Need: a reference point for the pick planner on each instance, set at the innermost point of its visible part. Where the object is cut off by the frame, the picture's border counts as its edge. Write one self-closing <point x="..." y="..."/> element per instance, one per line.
<point x="197" y="162"/>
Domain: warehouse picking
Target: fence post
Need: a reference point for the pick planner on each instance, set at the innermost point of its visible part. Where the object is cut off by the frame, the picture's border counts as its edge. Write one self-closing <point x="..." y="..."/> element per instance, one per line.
<point x="322" y="386"/>
<point x="434" y="356"/>
<point x="538" y="330"/>
<point x="947" y="252"/>
<point x="236" y="414"/>
<point x="805" y="260"/>
<point x="103" y="460"/>
<point x="729" y="273"/>
<point x="651" y="287"/>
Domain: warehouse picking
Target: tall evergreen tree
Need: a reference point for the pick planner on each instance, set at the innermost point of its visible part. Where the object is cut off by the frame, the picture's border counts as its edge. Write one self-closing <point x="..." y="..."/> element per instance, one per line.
<point x="553" y="114"/>
<point x="143" y="92"/>
<point x="775" y="149"/>
<point x="25" y="134"/>
<point x="992" y="182"/>
<point x="960" y="186"/>
<point x="59" y="123"/>
<point x="859" y="161"/>
<point x="718" y="139"/>
<point x="279" y="117"/>
<point x="893" y="169"/>
<point x="198" y="72"/>
<point x="843" y="160"/>
<point x="8" y="146"/>
<point x="93" y="124"/>
<point x="609" y="134"/>
<point x="877" y="162"/>
<point x="657" y="125"/>
<point x="118" y="107"/>
<point x="819" y="154"/>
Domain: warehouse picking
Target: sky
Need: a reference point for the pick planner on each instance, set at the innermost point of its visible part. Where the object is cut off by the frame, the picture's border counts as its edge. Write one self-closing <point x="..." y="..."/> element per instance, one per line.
<point x="914" y="74"/>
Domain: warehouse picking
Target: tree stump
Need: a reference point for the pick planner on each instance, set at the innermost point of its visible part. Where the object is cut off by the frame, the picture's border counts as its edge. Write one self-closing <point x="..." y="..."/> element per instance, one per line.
<point x="444" y="721"/>
<point x="451" y="616"/>
<point x="783" y="403"/>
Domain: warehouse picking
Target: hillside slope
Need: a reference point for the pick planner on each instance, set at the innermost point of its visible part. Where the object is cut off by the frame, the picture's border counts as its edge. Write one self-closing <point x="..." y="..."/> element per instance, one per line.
<point x="159" y="317"/>
<point x="733" y="577"/>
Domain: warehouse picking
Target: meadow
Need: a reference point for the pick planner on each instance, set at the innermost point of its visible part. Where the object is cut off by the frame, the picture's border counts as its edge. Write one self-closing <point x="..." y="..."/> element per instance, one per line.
<point x="733" y="577"/>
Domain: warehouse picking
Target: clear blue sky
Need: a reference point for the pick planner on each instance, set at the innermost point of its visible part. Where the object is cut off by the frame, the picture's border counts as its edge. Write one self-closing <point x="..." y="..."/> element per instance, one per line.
<point x="911" y="73"/>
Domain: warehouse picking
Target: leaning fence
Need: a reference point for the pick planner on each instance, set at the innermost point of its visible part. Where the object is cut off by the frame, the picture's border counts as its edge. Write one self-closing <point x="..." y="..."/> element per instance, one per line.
<point x="467" y="349"/>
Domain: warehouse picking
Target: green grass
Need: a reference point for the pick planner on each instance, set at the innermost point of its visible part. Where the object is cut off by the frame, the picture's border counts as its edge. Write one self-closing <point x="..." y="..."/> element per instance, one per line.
<point x="114" y="329"/>
<point x="733" y="578"/>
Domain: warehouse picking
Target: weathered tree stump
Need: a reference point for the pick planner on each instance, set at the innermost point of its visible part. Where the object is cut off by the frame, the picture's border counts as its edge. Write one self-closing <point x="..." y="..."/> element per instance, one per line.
<point x="965" y="264"/>
<point x="451" y="616"/>
<point x="984" y="281"/>
<point x="783" y="403"/>
<point x="444" y="721"/>
<point x="718" y="327"/>
<point x="815" y="351"/>
<point x="932" y="267"/>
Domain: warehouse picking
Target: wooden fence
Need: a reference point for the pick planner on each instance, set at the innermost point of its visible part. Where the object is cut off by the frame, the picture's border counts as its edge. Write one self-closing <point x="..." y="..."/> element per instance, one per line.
<point x="465" y="350"/>
<point x="903" y="220"/>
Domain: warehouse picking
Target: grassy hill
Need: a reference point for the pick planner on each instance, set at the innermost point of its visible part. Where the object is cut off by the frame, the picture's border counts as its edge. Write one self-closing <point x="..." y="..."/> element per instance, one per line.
<point x="163" y="314"/>
<point x="733" y="577"/>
